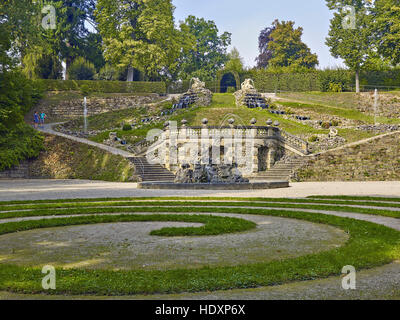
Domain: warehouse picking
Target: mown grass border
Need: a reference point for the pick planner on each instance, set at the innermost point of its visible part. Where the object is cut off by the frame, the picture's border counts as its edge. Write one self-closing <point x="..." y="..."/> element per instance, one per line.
<point x="309" y="199"/>
<point x="369" y="245"/>
<point x="109" y="206"/>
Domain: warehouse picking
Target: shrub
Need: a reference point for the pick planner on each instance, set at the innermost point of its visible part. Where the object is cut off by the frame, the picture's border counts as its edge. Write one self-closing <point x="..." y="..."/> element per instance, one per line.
<point x="111" y="73"/>
<point x="231" y="90"/>
<point x="335" y="87"/>
<point x="81" y="70"/>
<point x="313" y="139"/>
<point x="85" y="90"/>
<point x="126" y="127"/>
<point x="325" y="125"/>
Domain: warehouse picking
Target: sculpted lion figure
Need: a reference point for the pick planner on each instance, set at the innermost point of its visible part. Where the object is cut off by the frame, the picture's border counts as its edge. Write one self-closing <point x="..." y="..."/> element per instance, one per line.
<point x="248" y="84"/>
<point x="197" y="84"/>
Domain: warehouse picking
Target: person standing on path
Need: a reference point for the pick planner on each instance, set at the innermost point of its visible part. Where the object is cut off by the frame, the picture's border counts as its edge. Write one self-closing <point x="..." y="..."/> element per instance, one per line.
<point x="36" y="119"/>
<point x="43" y="116"/>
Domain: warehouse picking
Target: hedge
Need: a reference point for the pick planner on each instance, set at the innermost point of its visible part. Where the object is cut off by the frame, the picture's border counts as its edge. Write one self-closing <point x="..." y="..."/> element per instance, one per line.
<point x="320" y="80"/>
<point x="103" y="86"/>
<point x="265" y="81"/>
<point x="183" y="86"/>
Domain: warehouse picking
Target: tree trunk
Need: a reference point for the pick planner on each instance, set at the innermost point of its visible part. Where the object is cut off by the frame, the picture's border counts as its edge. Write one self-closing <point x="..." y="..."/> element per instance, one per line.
<point x="64" y="72"/>
<point x="68" y="63"/>
<point x="357" y="81"/>
<point x="129" y="78"/>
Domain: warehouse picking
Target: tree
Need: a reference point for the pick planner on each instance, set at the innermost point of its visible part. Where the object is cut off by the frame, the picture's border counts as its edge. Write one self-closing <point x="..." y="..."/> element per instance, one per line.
<point x="284" y="47"/>
<point x="140" y="34"/>
<point x="71" y="35"/>
<point x="350" y="35"/>
<point x="209" y="53"/>
<point x="235" y="62"/>
<point x="387" y="29"/>
<point x="40" y="64"/>
<point x="81" y="69"/>
<point x="265" y="53"/>
<point x="19" y="28"/>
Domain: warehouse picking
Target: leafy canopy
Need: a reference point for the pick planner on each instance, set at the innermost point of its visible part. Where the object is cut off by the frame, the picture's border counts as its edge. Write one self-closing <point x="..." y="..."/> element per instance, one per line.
<point x="387" y="29"/>
<point x="209" y="53"/>
<point x="353" y="45"/>
<point x="141" y="34"/>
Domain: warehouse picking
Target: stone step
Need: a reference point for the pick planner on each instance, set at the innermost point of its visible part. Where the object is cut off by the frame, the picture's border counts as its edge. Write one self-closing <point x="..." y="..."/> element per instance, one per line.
<point x="151" y="172"/>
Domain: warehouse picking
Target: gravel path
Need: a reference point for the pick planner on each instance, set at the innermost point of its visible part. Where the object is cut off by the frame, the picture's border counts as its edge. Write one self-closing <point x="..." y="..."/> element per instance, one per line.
<point x="69" y="189"/>
<point x="48" y="128"/>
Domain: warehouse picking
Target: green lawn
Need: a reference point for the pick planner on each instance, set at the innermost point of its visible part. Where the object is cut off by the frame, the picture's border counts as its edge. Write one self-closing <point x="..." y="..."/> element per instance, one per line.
<point x="343" y="105"/>
<point x="223" y="108"/>
<point x="369" y="245"/>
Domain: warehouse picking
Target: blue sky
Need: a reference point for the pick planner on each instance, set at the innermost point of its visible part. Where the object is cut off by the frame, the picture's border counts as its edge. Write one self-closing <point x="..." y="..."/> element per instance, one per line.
<point x="246" y="18"/>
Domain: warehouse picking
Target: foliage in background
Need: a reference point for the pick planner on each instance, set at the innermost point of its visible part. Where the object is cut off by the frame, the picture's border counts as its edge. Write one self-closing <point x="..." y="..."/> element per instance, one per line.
<point x="209" y="53"/>
<point x="387" y="28"/>
<point x="110" y="73"/>
<point x="19" y="30"/>
<point x="81" y="70"/>
<point x="18" y="140"/>
<point x="235" y="62"/>
<point x="353" y="45"/>
<point x="141" y="34"/>
<point x="38" y="64"/>
<point x="71" y="38"/>
<point x="281" y="46"/>
<point x="265" y="53"/>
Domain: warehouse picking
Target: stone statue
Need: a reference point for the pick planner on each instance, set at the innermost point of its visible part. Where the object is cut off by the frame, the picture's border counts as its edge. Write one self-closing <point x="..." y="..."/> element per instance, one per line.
<point x="247" y="88"/>
<point x="198" y="94"/>
<point x="184" y="174"/>
<point x="197" y="84"/>
<point x="248" y="85"/>
<point x="333" y="133"/>
<point x="210" y="173"/>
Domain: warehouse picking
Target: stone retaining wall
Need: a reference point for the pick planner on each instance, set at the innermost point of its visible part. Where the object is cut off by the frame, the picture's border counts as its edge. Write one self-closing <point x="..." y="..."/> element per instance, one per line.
<point x="20" y="172"/>
<point x="376" y="160"/>
<point x="72" y="109"/>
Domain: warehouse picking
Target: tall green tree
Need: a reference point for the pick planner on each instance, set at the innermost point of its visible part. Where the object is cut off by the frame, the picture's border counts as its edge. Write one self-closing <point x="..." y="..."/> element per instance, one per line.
<point x="235" y="62"/>
<point x="209" y="53"/>
<point x="19" y="30"/>
<point x="387" y="29"/>
<point x="141" y="34"/>
<point x="68" y="40"/>
<point x="285" y="48"/>
<point x="350" y="36"/>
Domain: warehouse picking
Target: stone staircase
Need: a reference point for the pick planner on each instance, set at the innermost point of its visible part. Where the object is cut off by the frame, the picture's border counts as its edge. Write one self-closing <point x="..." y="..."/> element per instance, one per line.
<point x="282" y="170"/>
<point x="151" y="172"/>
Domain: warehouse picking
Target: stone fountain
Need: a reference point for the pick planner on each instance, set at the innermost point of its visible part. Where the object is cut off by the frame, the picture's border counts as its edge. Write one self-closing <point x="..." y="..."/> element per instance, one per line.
<point x="249" y="96"/>
<point x="197" y="94"/>
<point x="210" y="173"/>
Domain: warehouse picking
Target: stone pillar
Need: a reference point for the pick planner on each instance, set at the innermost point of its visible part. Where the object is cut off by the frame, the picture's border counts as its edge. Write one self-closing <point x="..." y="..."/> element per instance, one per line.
<point x="255" y="159"/>
<point x="271" y="157"/>
<point x="205" y="144"/>
<point x="167" y="146"/>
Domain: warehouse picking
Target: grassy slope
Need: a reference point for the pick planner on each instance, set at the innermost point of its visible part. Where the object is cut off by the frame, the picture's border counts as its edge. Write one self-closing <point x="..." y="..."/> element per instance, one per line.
<point x="339" y="104"/>
<point x="65" y="159"/>
<point x="222" y="108"/>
